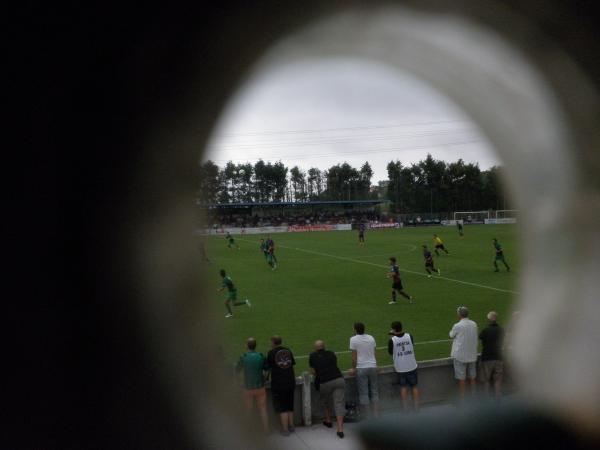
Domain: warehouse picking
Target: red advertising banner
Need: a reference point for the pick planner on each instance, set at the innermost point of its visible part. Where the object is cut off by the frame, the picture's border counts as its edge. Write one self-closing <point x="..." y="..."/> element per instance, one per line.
<point x="302" y="228"/>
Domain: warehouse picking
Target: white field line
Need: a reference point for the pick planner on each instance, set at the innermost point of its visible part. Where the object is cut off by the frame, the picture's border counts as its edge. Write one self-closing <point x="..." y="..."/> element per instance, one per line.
<point x="483" y="286"/>
<point x="381" y="348"/>
<point x="379" y="255"/>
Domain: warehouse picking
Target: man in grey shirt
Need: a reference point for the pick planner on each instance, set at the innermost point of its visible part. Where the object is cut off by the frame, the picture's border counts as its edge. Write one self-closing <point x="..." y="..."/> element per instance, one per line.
<point x="464" y="350"/>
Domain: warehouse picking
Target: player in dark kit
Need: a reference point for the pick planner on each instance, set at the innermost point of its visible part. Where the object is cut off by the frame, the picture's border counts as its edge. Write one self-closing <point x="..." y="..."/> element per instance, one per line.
<point x="429" y="261"/>
<point x="459" y="225"/>
<point x="394" y="274"/>
<point x="361" y="234"/>
<point x="271" y="258"/>
<point x="499" y="256"/>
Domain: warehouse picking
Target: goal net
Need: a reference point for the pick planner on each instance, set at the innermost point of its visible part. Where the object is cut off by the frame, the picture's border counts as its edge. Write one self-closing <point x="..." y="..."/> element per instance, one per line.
<point x="507" y="214"/>
<point x="471" y="216"/>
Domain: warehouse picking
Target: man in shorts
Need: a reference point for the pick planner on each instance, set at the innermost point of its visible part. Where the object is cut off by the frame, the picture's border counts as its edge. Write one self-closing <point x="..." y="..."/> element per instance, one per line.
<point x="361" y="234"/>
<point x="401" y="347"/>
<point x="230" y="241"/>
<point x="253" y="364"/>
<point x="428" y="257"/>
<point x="464" y="351"/>
<point x="394" y="274"/>
<point x="280" y="362"/>
<point x="491" y="367"/>
<point x="439" y="245"/>
<point x="499" y="256"/>
<point x="231" y="294"/>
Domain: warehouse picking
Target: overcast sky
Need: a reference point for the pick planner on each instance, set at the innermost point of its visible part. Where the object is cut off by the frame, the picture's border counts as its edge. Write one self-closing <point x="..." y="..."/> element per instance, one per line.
<point x="317" y="113"/>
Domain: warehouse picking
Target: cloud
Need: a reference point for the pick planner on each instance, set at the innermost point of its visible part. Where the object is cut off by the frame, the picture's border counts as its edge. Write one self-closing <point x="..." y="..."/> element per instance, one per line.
<point x="316" y="113"/>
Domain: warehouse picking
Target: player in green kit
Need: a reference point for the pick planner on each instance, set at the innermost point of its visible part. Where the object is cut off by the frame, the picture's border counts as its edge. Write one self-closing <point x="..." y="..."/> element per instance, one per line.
<point x="499" y="256"/>
<point x="265" y="250"/>
<point x="231" y="241"/>
<point x="231" y="294"/>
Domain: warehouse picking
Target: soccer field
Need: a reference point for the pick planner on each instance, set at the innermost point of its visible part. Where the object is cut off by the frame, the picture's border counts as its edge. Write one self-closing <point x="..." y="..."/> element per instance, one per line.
<point x="325" y="282"/>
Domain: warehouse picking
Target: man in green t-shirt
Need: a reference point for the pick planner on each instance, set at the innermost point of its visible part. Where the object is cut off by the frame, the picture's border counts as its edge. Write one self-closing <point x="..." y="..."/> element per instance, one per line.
<point x="253" y="365"/>
<point x="231" y="294"/>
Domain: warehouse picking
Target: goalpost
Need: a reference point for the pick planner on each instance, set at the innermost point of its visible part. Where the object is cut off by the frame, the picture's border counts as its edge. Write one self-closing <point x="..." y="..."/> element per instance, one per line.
<point x="471" y="216"/>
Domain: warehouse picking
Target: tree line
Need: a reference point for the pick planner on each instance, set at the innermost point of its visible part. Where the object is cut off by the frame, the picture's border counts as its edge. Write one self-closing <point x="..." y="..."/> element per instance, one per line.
<point x="427" y="186"/>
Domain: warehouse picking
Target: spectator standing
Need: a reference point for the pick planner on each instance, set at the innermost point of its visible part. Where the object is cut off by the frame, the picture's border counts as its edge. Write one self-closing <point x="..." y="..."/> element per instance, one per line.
<point x="280" y="362"/>
<point x="253" y="363"/>
<point x="464" y="350"/>
<point x="330" y="383"/>
<point x="491" y="368"/>
<point x="401" y="347"/>
<point x="364" y="365"/>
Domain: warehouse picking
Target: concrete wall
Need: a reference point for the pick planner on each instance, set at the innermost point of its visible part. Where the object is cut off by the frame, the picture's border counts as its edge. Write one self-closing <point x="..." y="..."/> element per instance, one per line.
<point x="436" y="385"/>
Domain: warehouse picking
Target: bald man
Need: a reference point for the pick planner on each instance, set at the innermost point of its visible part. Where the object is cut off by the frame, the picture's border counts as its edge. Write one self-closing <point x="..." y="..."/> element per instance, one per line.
<point x="330" y="383"/>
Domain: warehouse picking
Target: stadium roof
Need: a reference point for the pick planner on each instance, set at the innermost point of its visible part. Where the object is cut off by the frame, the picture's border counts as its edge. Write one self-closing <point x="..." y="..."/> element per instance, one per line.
<point x="274" y="204"/>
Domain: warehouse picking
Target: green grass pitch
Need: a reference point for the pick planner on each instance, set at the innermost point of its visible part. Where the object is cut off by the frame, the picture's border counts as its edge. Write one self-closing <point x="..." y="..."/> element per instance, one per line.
<point x="325" y="282"/>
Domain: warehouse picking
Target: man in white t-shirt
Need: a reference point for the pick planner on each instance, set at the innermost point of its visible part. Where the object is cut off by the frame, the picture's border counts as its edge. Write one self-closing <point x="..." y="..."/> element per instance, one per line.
<point x="464" y="350"/>
<point x="401" y="347"/>
<point x="364" y="365"/>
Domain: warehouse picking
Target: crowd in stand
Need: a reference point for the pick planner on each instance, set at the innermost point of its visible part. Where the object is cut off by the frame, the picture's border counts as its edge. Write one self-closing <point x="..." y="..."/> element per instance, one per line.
<point x="278" y="365"/>
<point x="317" y="218"/>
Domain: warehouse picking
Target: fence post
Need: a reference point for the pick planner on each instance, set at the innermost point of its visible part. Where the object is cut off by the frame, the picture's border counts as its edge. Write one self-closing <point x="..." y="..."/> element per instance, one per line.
<point x="306" y="400"/>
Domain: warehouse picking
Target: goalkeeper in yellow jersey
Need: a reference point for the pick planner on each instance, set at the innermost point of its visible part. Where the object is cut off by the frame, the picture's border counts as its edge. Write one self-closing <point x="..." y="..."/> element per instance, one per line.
<point x="439" y="245"/>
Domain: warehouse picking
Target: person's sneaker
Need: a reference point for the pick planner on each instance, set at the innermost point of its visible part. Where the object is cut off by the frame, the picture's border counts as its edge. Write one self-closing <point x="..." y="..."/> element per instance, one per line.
<point x="392" y="302"/>
<point x="411" y="300"/>
<point x="284" y="433"/>
<point x="428" y="276"/>
<point x="248" y="303"/>
<point x="328" y="424"/>
<point x="439" y="272"/>
<point x="291" y="429"/>
<point x="340" y="434"/>
<point x="228" y="315"/>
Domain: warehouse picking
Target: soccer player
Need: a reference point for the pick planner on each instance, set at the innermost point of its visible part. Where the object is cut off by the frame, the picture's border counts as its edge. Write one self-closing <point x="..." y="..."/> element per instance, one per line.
<point x="499" y="256"/>
<point x="361" y="234"/>
<point x="264" y="249"/>
<point x="231" y="241"/>
<point x="459" y="225"/>
<point x="429" y="261"/>
<point x="439" y="245"/>
<point x="231" y="294"/>
<point x="394" y="274"/>
<point x="271" y="259"/>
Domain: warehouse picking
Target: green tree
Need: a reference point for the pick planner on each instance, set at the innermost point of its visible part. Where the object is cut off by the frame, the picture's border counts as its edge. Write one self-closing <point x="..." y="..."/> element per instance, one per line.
<point x="210" y="183"/>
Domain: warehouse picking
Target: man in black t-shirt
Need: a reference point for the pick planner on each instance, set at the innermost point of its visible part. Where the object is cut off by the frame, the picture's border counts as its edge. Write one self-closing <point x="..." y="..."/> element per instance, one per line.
<point x="280" y="362"/>
<point x="491" y="366"/>
<point x="330" y="383"/>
